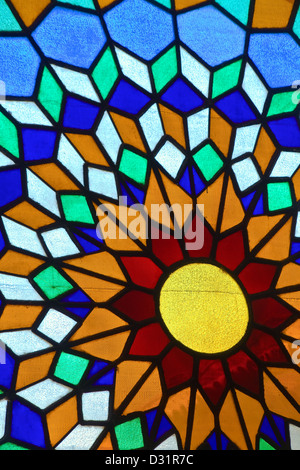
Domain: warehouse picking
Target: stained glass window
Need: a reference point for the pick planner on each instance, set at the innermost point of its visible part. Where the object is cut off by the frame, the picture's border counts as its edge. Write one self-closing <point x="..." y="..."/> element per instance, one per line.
<point x="150" y="225"/>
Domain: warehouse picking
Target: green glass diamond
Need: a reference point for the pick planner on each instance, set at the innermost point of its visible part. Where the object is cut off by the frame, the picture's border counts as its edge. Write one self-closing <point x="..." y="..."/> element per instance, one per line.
<point x="134" y="166"/>
<point x="239" y="10"/>
<point x="76" y="209"/>
<point x="282" y="103"/>
<point x="105" y="73"/>
<point x="208" y="162"/>
<point x="9" y="136"/>
<point x="11" y="446"/>
<point x="226" y="78"/>
<point x="70" y="368"/>
<point x="164" y="69"/>
<point x="279" y="196"/>
<point x="129" y="435"/>
<point x="50" y="95"/>
<point x="263" y="445"/>
<point x="52" y="283"/>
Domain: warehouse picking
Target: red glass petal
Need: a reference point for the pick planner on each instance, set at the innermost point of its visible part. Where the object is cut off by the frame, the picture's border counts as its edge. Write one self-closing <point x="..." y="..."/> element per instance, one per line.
<point x="142" y="270"/>
<point x="258" y="277"/>
<point x="269" y="312"/>
<point x="136" y="305"/>
<point x="177" y="367"/>
<point x="167" y="250"/>
<point x="231" y="251"/>
<point x="244" y="371"/>
<point x="205" y="250"/>
<point x="149" y="341"/>
<point x="212" y="379"/>
<point x="265" y="347"/>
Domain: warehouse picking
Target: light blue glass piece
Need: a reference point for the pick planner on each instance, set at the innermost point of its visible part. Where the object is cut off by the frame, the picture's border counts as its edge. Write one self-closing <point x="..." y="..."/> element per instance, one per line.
<point x="5" y="161"/>
<point x="70" y="36"/>
<point x="286" y="165"/>
<point x="195" y="72"/>
<point x="103" y="182"/>
<point x="245" y="140"/>
<point x="255" y="88"/>
<point x="17" y="288"/>
<point x="19" y="65"/>
<point x="245" y="173"/>
<point x="3" y="410"/>
<point x="140" y="27"/>
<point x="70" y="159"/>
<point x="78" y="83"/>
<point x="41" y="193"/>
<point x="211" y="34"/>
<point x="277" y="56"/>
<point x="44" y="393"/>
<point x="22" y="237"/>
<point x="134" y="69"/>
<point x="23" y="342"/>
<point x="152" y="126"/>
<point x="95" y="406"/>
<point x="294" y="436"/>
<point x="109" y="137"/>
<point x="169" y="444"/>
<point x="26" y="112"/>
<point x="59" y="243"/>
<point x="239" y="10"/>
<point x="198" y="128"/>
<point x="170" y="158"/>
<point x="56" y="325"/>
<point x="297" y="231"/>
<point x="80" y="438"/>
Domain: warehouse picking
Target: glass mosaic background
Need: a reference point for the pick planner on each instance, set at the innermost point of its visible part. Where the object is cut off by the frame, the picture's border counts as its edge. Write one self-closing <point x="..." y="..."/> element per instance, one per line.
<point x="156" y="101"/>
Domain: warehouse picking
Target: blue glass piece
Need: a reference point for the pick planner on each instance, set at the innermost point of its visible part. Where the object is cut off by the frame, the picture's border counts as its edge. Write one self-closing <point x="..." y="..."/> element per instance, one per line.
<point x="164" y="427"/>
<point x="268" y="431"/>
<point x="298" y="261"/>
<point x="10" y="186"/>
<point x="27" y="425"/>
<point x="224" y="442"/>
<point x="124" y="25"/>
<point x="280" y="423"/>
<point x="77" y="296"/>
<point x="7" y="371"/>
<point x="185" y="182"/>
<point x="2" y="242"/>
<point x="247" y="200"/>
<point x="138" y="193"/>
<point x="182" y="97"/>
<point x="107" y="379"/>
<point x="236" y="108"/>
<point x="129" y="200"/>
<point x="19" y="65"/>
<point x="80" y="115"/>
<point x="211" y="34"/>
<point x="295" y="248"/>
<point x="70" y="36"/>
<point x="80" y="312"/>
<point x="286" y="131"/>
<point x="88" y="247"/>
<point x="150" y="417"/>
<point x="98" y="365"/>
<point x="259" y="209"/>
<point x="38" y="144"/>
<point x="91" y="232"/>
<point x="212" y="440"/>
<point x="199" y="185"/>
<point x="127" y="98"/>
<point x="277" y="56"/>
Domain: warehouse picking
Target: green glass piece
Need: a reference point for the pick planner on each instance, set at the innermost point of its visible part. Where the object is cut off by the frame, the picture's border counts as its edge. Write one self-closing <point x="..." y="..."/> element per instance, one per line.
<point x="9" y="136"/>
<point x="164" y="69"/>
<point x="279" y="196"/>
<point x="165" y="3"/>
<point x="208" y="161"/>
<point x="76" y="209"/>
<point x="282" y="103"/>
<point x="105" y="73"/>
<point x="52" y="283"/>
<point x="11" y="446"/>
<point x="226" y="78"/>
<point x="239" y="10"/>
<point x="129" y="435"/>
<point x="134" y="166"/>
<point x="296" y="27"/>
<point x="70" y="368"/>
<point x="7" y="20"/>
<point x="80" y="3"/>
<point x="50" y="95"/>
<point x="263" y="445"/>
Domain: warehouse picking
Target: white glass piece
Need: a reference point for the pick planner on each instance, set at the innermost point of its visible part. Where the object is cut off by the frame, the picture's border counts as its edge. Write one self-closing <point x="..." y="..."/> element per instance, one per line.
<point x="198" y="127"/>
<point x="59" y="243"/>
<point x="245" y="140"/>
<point x="103" y="182"/>
<point x="22" y="237"/>
<point x="80" y="438"/>
<point x="195" y="72"/>
<point x="40" y="192"/>
<point x="23" y="342"/>
<point x="169" y="444"/>
<point x="26" y="112"/>
<point x="170" y="158"/>
<point x="245" y="173"/>
<point x="56" y="325"/>
<point x="295" y="437"/>
<point x="17" y="288"/>
<point x="152" y="126"/>
<point x="95" y="406"/>
<point x="254" y="88"/>
<point x="70" y="159"/>
<point x="134" y="69"/>
<point x="44" y="393"/>
<point x="3" y="410"/>
<point x="287" y="164"/>
<point x="109" y="137"/>
<point x="5" y="161"/>
<point x="297" y="231"/>
<point x="76" y="82"/>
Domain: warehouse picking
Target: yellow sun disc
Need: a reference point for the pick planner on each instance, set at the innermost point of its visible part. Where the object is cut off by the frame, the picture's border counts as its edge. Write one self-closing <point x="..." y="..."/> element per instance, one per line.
<point x="204" y="308"/>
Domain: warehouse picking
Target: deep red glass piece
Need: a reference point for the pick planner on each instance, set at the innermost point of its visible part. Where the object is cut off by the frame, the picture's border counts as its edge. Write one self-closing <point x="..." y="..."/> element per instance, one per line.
<point x="244" y="371"/>
<point x="212" y="379"/>
<point x="136" y="305"/>
<point x="265" y="347"/>
<point x="167" y="250"/>
<point x="258" y="277"/>
<point x="269" y="312"/>
<point x="142" y="270"/>
<point x="231" y="251"/>
<point x="149" y="341"/>
<point x="177" y="367"/>
<point x="195" y="226"/>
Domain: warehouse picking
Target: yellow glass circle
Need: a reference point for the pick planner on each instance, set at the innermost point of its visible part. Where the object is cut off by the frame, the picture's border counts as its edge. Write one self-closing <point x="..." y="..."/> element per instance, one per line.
<point x="204" y="308"/>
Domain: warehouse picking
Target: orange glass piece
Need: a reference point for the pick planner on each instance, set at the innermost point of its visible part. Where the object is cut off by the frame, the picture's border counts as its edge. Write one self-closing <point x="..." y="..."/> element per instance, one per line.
<point x="30" y="10"/>
<point x="128" y="131"/>
<point x="18" y="263"/>
<point x="173" y="125"/>
<point x="211" y="199"/>
<point x="17" y="317"/>
<point x="230" y="423"/>
<point x="180" y="4"/>
<point x="108" y="349"/>
<point x="177" y="410"/>
<point x="252" y="412"/>
<point x="290" y="275"/>
<point x="128" y="375"/>
<point x="28" y="215"/>
<point x="54" y="176"/>
<point x="148" y="396"/>
<point x="277" y="402"/>
<point x="278" y="248"/>
<point x="98" y="321"/>
<point x="61" y="420"/>
<point x="88" y="149"/>
<point x="203" y="423"/>
<point x="264" y="150"/>
<point x="33" y="370"/>
<point x="233" y="213"/>
<point x="272" y="13"/>
<point x="100" y="263"/>
<point x="220" y="132"/>
<point x="259" y="227"/>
